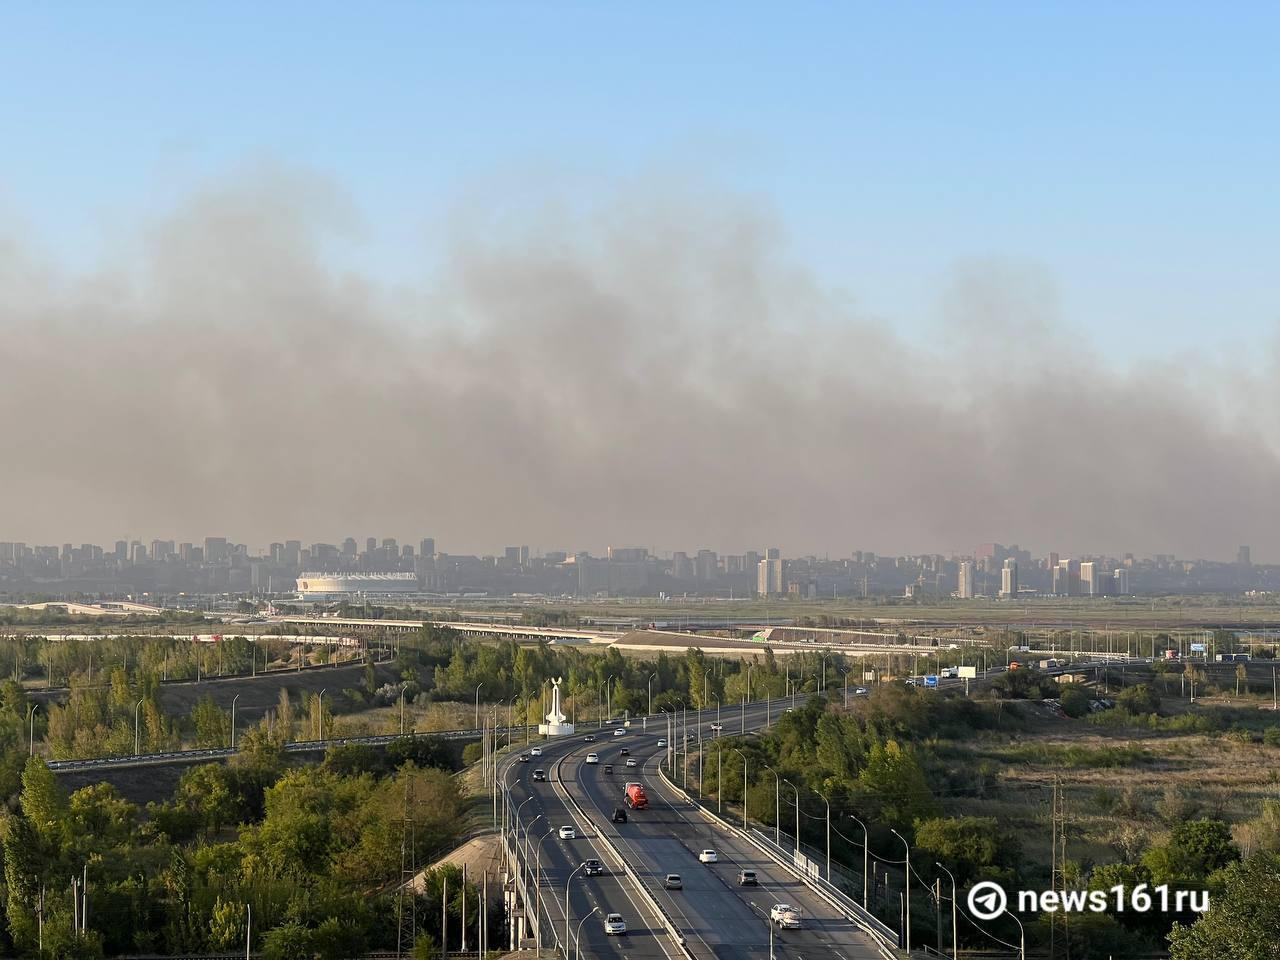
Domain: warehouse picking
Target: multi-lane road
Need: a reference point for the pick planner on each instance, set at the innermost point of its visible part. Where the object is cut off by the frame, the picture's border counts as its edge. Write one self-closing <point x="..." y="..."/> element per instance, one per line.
<point x="715" y="916"/>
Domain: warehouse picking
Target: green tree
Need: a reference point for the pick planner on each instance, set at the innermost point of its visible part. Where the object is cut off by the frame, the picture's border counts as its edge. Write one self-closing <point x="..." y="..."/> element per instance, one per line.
<point x="971" y="847"/>
<point x="44" y="803"/>
<point x="1244" y="919"/>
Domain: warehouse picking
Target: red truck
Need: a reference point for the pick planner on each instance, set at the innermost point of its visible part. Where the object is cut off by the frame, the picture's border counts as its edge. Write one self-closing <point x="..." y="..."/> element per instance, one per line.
<point x="636" y="799"/>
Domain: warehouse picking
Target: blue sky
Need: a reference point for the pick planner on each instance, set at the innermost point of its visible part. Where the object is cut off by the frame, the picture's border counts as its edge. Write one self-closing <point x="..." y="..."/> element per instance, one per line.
<point x="1128" y="150"/>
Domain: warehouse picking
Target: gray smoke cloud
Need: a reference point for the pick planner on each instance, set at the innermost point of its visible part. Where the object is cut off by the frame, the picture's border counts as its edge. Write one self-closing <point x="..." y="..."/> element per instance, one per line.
<point x="658" y="374"/>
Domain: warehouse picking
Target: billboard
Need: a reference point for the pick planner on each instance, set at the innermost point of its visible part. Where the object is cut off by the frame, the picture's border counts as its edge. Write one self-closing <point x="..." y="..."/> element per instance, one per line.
<point x="1197" y="648"/>
<point x="968" y="673"/>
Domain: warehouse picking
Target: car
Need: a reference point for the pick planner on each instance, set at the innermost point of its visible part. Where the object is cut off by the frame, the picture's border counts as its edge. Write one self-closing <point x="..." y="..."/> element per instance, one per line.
<point x="608" y="768"/>
<point x="672" y="881"/>
<point x="535" y="752"/>
<point x="861" y="692"/>
<point x="540" y="775"/>
<point x="619" y="815"/>
<point x="593" y="758"/>
<point x="614" y="925"/>
<point x="717" y="727"/>
<point x="568" y="833"/>
<point x="785" y="916"/>
<point x="708" y="856"/>
<point x="590" y="738"/>
<point x="611" y="721"/>
<point x="625" y="752"/>
<point x="631" y="762"/>
<point x="524" y="758"/>
<point x="592" y="867"/>
<point x="619" y="732"/>
<point x="748" y="878"/>
<point x="662" y="742"/>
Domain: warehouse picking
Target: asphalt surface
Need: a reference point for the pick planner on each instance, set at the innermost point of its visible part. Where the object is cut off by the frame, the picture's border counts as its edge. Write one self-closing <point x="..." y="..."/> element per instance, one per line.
<point x="718" y="918"/>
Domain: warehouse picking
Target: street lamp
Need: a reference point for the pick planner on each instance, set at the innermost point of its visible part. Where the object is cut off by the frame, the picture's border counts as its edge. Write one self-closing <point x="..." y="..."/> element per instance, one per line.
<point x="744" y="786"/>
<point x="248" y="928"/>
<point x="828" y="803"/>
<point x="955" y="946"/>
<point x="777" y="806"/>
<point x="233" y="720"/>
<point x="137" y="727"/>
<point x="323" y="690"/>
<point x="31" y="735"/>
<point x="572" y="874"/>
<point x="1022" y="936"/>
<point x="797" y="790"/>
<point x="608" y="694"/>
<point x="478" y="686"/>
<point x="906" y="883"/>
<point x="577" y="936"/>
<point x="866" y="850"/>
<point x="652" y="677"/>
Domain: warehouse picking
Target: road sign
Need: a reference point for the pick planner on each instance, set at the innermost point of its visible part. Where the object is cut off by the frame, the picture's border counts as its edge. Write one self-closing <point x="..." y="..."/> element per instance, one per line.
<point x="931" y="680"/>
<point x="1197" y="648"/>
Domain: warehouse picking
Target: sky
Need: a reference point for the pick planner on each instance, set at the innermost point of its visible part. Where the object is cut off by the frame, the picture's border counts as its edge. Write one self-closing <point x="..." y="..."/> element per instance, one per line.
<point x="1006" y="184"/>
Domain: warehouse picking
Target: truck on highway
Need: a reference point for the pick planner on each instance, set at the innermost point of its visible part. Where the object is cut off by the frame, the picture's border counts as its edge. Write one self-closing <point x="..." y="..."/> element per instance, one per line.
<point x="636" y="799"/>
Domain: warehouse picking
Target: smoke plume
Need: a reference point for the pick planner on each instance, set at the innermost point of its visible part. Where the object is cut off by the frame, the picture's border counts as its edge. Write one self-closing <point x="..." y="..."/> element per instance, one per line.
<point x="657" y="373"/>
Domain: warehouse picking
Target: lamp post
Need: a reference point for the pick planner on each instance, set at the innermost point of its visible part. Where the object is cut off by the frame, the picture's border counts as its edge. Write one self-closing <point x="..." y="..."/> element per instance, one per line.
<point x="248" y="928"/>
<point x="866" y="855"/>
<point x="31" y="727"/>
<point x="577" y="936"/>
<point x="955" y="946"/>
<point x="1022" y="936"/>
<point x="744" y="786"/>
<point x="828" y="803"/>
<point x="777" y="805"/>
<point x="233" y="720"/>
<point x="137" y="727"/>
<point x="478" y="686"/>
<point x="608" y="694"/>
<point x="652" y="677"/>
<point x="797" y="790"/>
<point x="906" y="883"/>
<point x="323" y="690"/>
<point x="572" y="874"/>
<point x="719" y="787"/>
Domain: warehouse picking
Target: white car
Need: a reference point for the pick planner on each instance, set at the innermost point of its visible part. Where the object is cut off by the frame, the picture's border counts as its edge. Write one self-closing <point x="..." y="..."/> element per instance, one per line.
<point x="717" y="727"/>
<point x="614" y="925"/>
<point x="662" y="741"/>
<point x="708" y="856"/>
<point x="861" y="692"/>
<point x="568" y="833"/>
<point x="535" y="752"/>
<point x="631" y="762"/>
<point x="785" y="916"/>
<point x="619" y="732"/>
<point x="593" y="758"/>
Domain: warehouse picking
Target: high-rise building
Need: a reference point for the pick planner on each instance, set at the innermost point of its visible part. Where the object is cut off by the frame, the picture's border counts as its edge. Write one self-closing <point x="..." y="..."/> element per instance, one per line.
<point x="706" y="565"/>
<point x="427" y="548"/>
<point x="1243" y="558"/>
<point x="215" y="550"/>
<point x="349" y="548"/>
<point x="1121" y="576"/>
<point x="371" y="546"/>
<point x="1066" y="579"/>
<point x="122" y="550"/>
<point x="964" y="583"/>
<point x="770" y="579"/>
<point x="1009" y="579"/>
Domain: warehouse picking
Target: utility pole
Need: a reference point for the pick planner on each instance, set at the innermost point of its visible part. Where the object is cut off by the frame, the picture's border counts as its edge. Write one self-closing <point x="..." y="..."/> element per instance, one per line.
<point x="406" y="908"/>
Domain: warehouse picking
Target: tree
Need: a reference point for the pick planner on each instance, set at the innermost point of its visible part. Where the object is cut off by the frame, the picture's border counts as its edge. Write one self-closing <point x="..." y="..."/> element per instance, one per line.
<point x="896" y="785"/>
<point x="1196" y="848"/>
<point x="1243" y="921"/>
<point x="43" y="802"/>
<point x="971" y="847"/>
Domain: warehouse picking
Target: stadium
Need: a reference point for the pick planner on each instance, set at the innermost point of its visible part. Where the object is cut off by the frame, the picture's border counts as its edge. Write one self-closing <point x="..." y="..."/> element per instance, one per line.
<point x="339" y="586"/>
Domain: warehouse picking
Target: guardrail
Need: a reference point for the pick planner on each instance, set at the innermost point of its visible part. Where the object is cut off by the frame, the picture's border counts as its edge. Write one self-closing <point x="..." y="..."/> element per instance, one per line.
<point x="641" y="887"/>
<point x="885" y="938"/>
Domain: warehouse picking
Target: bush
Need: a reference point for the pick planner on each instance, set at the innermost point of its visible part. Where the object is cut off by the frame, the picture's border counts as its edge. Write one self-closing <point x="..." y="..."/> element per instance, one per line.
<point x="1271" y="737"/>
<point x="1075" y="701"/>
<point x="472" y="753"/>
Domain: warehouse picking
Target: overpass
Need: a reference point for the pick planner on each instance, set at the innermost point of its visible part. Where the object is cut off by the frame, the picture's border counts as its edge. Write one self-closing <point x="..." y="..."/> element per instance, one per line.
<point x="468" y="628"/>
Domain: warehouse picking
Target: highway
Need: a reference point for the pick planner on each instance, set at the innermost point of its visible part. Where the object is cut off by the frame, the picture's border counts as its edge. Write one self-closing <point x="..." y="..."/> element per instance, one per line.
<point x="717" y="918"/>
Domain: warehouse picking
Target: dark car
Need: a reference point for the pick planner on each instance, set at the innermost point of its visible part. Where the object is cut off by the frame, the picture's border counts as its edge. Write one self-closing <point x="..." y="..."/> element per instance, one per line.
<point x="539" y="775"/>
<point x="593" y="867"/>
<point x="608" y="768"/>
<point x="619" y="815"/>
<point x="524" y="758"/>
<point x="626" y="752"/>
